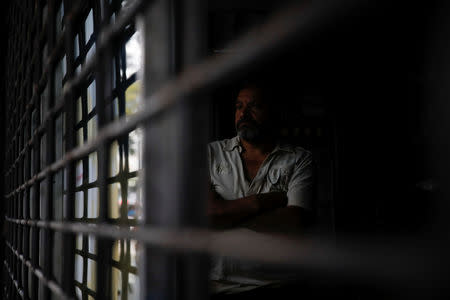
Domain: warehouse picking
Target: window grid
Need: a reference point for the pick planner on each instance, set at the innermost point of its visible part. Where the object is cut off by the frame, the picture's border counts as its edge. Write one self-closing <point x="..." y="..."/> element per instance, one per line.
<point x="32" y="182"/>
<point x="36" y="219"/>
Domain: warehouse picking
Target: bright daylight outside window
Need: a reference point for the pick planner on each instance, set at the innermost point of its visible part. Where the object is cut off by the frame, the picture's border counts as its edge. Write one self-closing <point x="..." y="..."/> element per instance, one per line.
<point x="124" y="193"/>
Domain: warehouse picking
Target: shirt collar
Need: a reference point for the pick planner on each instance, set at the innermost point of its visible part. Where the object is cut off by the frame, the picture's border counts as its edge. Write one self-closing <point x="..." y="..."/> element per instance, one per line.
<point x="283" y="147"/>
<point x="232" y="143"/>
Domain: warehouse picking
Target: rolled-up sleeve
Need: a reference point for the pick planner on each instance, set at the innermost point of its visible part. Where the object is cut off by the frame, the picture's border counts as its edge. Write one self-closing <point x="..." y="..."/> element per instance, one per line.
<point x="300" y="187"/>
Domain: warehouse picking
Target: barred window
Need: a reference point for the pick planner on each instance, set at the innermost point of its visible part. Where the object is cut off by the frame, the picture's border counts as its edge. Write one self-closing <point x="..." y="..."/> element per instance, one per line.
<point x="46" y="133"/>
<point x="108" y="108"/>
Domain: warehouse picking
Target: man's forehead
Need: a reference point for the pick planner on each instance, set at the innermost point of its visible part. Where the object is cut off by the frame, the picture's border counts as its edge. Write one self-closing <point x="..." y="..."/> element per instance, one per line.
<point x="249" y="94"/>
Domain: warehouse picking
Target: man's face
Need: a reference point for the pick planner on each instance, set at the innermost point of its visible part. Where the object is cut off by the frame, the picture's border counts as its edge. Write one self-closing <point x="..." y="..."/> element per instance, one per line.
<point x="251" y="116"/>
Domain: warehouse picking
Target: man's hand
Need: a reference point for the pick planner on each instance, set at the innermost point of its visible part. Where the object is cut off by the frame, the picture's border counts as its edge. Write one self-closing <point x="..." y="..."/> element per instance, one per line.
<point x="283" y="220"/>
<point x="270" y="201"/>
<point x="228" y="213"/>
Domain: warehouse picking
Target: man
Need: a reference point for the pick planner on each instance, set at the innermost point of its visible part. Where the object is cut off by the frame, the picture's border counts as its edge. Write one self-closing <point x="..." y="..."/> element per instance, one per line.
<point x="256" y="182"/>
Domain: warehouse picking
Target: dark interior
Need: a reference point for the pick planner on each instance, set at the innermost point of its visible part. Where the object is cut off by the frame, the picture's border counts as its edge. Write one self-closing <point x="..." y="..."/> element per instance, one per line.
<point x="354" y="94"/>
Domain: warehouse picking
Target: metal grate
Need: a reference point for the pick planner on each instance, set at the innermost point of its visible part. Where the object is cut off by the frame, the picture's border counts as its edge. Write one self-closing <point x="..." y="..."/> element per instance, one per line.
<point x="75" y="214"/>
<point x="63" y="114"/>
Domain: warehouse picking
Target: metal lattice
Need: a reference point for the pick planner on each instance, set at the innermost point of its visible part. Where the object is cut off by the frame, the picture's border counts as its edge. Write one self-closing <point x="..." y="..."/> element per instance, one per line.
<point x="76" y="216"/>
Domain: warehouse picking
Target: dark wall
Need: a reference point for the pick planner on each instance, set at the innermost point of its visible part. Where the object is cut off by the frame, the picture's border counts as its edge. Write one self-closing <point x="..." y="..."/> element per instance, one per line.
<point x="3" y="120"/>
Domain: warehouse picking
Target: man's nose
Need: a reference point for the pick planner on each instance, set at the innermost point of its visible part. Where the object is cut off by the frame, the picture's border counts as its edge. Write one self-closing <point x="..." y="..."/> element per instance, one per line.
<point x="246" y="111"/>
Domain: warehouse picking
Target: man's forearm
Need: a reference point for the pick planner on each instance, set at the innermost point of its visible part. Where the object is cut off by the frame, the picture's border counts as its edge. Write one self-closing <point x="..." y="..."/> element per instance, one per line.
<point x="284" y="220"/>
<point x="229" y="213"/>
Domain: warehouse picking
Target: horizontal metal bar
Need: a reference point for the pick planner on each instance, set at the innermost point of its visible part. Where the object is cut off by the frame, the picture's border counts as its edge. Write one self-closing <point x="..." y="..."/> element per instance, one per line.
<point x="38" y="131"/>
<point x="50" y="115"/>
<point x="402" y="261"/>
<point x="28" y="144"/>
<point x="40" y="176"/>
<point x="16" y="283"/>
<point x="52" y="285"/>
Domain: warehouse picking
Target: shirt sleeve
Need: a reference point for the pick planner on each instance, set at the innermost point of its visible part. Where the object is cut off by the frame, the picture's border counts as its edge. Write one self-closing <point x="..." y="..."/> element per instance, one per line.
<point x="210" y="162"/>
<point x="300" y="187"/>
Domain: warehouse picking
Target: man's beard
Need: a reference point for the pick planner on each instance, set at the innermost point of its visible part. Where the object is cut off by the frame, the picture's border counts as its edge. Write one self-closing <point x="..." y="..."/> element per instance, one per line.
<point x="250" y="134"/>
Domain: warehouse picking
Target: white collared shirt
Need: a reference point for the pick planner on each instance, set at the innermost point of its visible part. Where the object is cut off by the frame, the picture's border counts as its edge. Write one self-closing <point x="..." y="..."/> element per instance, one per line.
<point x="287" y="169"/>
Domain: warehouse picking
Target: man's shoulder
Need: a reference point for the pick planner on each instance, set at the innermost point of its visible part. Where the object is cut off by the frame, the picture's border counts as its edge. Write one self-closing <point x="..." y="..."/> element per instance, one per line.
<point x="223" y="145"/>
<point x="298" y="152"/>
<point x="217" y="144"/>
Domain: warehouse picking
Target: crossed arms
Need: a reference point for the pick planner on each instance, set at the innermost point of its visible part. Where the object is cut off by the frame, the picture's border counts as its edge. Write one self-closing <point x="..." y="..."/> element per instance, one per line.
<point x="265" y="212"/>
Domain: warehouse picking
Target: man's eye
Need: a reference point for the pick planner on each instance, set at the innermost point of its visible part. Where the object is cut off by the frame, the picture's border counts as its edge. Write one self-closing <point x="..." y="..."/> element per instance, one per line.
<point x="255" y="106"/>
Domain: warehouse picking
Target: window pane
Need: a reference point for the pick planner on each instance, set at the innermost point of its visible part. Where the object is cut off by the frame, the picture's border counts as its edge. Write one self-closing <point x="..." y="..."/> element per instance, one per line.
<point x="92" y="243"/>
<point x="76" y="46"/>
<point x="59" y="137"/>
<point x="42" y="196"/>
<point x="79" y="242"/>
<point x="24" y="206"/>
<point x="133" y="252"/>
<point x="79" y="110"/>
<point x="41" y="247"/>
<point x="91" y="274"/>
<point x="117" y="250"/>
<point x="78" y="293"/>
<point x="80" y="139"/>
<point x="58" y="196"/>
<point x="78" y="268"/>
<point x="114" y="74"/>
<point x="79" y="204"/>
<point x="115" y="108"/>
<point x="114" y="159"/>
<point x="133" y="50"/>
<point x="89" y="25"/>
<point x="79" y="173"/>
<point x="135" y="150"/>
<point x="44" y="103"/>
<point x="116" y="291"/>
<point x="115" y="200"/>
<point x="32" y="204"/>
<point x="90" y="52"/>
<point x="92" y="128"/>
<point x="32" y="171"/>
<point x="57" y="256"/>
<point x="43" y="151"/>
<point x="92" y="205"/>
<point x="131" y="98"/>
<point x="133" y="287"/>
<point x="91" y="97"/>
<point x="132" y="198"/>
<point x="60" y="72"/>
<point x="93" y="167"/>
<point x="65" y="181"/>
